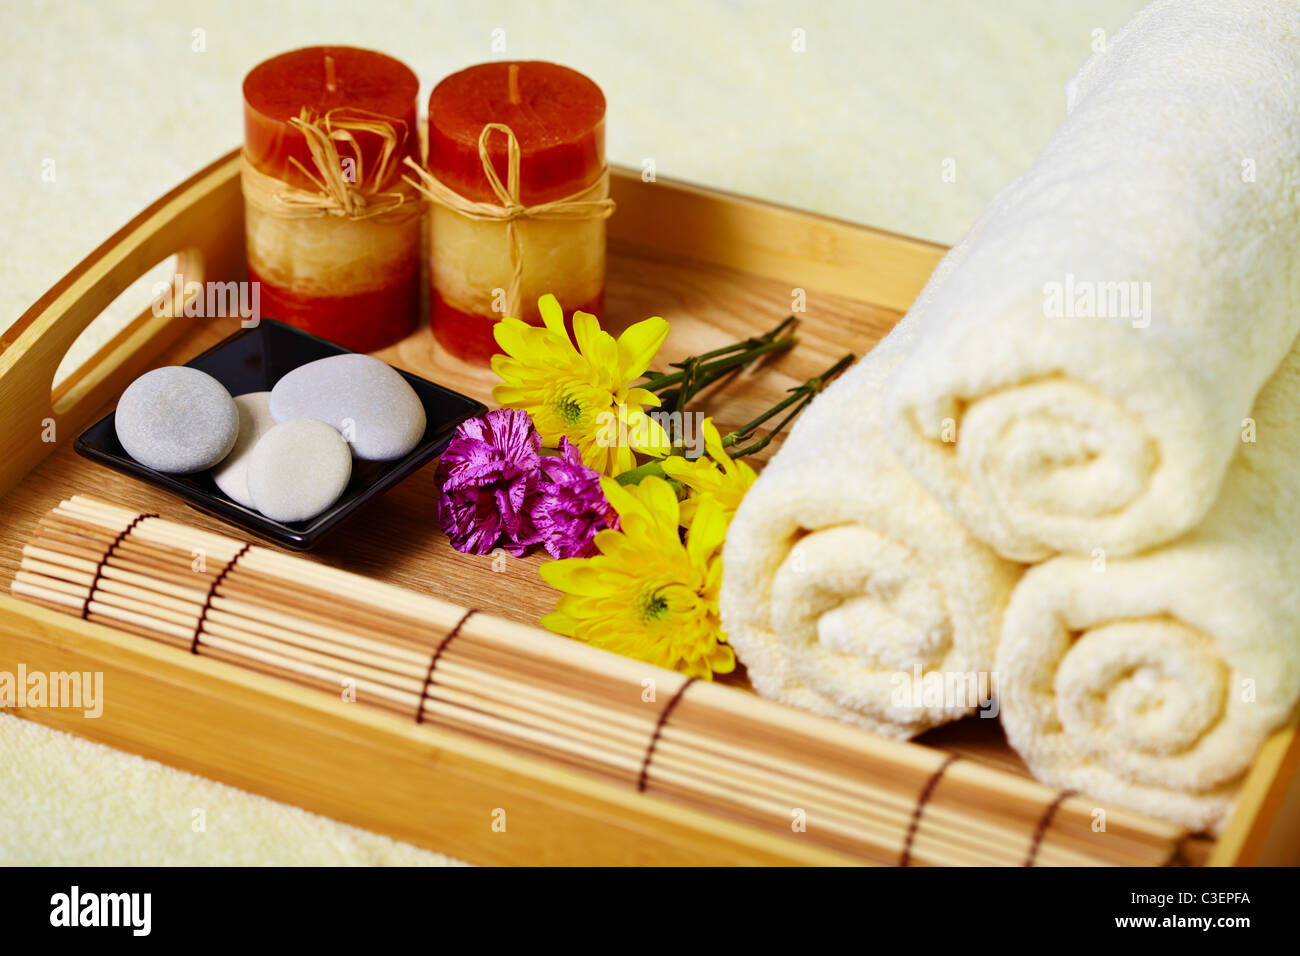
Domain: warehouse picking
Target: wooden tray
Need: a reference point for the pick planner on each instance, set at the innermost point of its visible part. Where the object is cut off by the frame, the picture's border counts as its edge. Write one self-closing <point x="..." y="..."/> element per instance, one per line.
<point x="718" y="267"/>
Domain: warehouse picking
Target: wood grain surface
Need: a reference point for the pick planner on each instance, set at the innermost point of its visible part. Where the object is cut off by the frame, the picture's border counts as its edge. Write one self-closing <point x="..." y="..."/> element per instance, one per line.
<point x="718" y="267"/>
<point x="396" y="537"/>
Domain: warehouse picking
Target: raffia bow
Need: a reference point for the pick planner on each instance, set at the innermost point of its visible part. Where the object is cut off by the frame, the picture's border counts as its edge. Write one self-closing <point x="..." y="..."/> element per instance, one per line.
<point x="335" y="193"/>
<point x="589" y="203"/>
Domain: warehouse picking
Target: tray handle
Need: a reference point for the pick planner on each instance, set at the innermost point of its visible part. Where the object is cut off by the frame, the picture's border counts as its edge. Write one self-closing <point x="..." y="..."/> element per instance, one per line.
<point x="201" y="222"/>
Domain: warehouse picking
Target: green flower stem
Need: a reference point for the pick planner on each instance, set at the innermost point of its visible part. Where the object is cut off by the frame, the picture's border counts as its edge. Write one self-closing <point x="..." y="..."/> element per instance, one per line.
<point x="696" y="375"/>
<point x="751" y="348"/>
<point x="766" y="439"/>
<point x="799" y="397"/>
<point x="767" y="336"/>
<point x="633" y="476"/>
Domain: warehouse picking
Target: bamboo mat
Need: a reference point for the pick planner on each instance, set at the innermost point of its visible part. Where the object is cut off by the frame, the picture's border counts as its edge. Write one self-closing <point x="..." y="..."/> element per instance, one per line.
<point x="429" y="661"/>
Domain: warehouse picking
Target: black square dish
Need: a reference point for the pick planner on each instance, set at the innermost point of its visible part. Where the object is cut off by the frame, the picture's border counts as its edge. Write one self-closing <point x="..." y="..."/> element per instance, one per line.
<point x="253" y="360"/>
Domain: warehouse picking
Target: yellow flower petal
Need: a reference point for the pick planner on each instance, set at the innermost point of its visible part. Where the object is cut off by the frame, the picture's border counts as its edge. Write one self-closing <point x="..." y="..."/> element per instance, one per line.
<point x="511" y="335"/>
<point x="707" y="531"/>
<point x="713" y="441"/>
<point x="586" y="331"/>
<point x="641" y="396"/>
<point x="552" y="315"/>
<point x="645" y="594"/>
<point x="658" y="497"/>
<point x="559" y="623"/>
<point x="572" y="392"/>
<point x="639" y="343"/>
<point x="620" y="498"/>
<point x="645" y="434"/>
<point x="685" y="470"/>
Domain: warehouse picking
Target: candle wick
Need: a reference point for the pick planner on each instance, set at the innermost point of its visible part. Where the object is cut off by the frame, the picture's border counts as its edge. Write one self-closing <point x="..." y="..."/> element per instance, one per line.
<point x="331" y="83"/>
<point x="513" y="82"/>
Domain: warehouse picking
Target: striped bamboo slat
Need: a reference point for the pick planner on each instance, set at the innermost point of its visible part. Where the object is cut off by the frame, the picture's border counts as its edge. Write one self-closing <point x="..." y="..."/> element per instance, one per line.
<point x="427" y="660"/>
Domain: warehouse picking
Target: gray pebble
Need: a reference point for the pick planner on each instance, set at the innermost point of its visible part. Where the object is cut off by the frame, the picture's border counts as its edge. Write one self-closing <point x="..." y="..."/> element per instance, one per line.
<point x="176" y="420"/>
<point x="298" y="469"/>
<point x="365" y="399"/>
<point x="255" y="421"/>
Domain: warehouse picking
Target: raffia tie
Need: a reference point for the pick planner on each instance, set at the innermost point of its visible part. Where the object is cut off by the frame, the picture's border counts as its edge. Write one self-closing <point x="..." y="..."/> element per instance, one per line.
<point x="334" y="194"/>
<point x="590" y="203"/>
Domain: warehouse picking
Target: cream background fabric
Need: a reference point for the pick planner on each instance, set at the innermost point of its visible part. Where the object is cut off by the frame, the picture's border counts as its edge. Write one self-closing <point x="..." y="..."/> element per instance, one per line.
<point x="858" y="125"/>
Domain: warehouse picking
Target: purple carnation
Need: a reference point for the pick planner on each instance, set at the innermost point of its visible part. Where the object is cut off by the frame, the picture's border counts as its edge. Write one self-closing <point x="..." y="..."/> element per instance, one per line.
<point x="492" y="477"/>
<point x="570" y="507"/>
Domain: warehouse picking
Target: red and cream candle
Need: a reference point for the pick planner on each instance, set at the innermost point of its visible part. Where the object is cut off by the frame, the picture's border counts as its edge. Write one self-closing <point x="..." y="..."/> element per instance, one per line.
<point x="332" y="229"/>
<point x="495" y="248"/>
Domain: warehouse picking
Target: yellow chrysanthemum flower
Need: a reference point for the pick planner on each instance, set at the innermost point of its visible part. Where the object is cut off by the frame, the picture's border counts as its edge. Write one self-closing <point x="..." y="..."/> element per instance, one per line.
<point x="648" y="594"/>
<point x="582" y="394"/>
<point x="713" y="475"/>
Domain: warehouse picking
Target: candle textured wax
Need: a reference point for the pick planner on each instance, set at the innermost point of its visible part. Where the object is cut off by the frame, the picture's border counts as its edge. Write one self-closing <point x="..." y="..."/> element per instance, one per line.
<point x="481" y="268"/>
<point x="332" y="230"/>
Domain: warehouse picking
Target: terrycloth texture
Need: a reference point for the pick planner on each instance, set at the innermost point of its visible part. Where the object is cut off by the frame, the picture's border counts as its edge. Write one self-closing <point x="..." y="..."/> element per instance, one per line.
<point x="1153" y="682"/>
<point x="841" y="576"/>
<point x="1176" y="169"/>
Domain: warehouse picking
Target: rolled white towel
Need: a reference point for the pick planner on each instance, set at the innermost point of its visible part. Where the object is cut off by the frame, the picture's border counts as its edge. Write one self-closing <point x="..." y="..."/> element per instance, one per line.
<point x="1173" y="186"/>
<point x="843" y="580"/>
<point x="1153" y="680"/>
